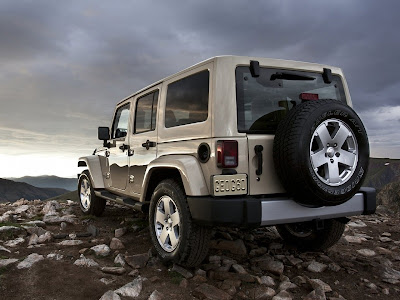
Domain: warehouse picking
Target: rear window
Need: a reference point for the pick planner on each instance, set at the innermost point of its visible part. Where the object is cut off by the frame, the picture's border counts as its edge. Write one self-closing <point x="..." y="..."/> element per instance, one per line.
<point x="262" y="102"/>
<point x="187" y="100"/>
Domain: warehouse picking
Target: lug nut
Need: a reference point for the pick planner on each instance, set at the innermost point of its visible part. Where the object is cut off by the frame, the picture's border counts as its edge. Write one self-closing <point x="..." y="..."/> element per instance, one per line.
<point x="337" y="154"/>
<point x="332" y="160"/>
<point x="334" y="145"/>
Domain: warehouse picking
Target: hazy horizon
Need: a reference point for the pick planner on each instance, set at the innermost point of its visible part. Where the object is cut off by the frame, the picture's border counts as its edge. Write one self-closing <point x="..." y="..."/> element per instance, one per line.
<point x="65" y="65"/>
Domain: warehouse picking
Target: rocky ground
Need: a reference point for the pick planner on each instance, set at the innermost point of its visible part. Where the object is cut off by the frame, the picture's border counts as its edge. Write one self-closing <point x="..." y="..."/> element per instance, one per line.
<point x="49" y="250"/>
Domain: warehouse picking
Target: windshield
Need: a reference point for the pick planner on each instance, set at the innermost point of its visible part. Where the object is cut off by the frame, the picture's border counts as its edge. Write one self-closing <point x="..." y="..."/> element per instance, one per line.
<point x="265" y="100"/>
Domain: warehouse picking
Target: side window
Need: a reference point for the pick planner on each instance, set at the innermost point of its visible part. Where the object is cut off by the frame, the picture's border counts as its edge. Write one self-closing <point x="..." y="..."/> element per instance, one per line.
<point x="187" y="100"/>
<point x="146" y="112"/>
<point x="120" y="124"/>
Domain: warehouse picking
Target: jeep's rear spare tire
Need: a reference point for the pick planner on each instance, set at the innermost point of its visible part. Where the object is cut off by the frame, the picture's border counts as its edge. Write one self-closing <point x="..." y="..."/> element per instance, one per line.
<point x="321" y="152"/>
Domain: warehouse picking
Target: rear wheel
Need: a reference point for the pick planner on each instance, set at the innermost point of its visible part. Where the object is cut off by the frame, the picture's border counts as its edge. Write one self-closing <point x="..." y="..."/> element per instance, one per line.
<point x="306" y="236"/>
<point x="90" y="204"/>
<point x="174" y="235"/>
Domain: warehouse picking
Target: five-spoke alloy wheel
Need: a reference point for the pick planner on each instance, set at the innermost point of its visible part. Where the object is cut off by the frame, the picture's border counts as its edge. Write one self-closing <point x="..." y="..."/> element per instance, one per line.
<point x="90" y="204"/>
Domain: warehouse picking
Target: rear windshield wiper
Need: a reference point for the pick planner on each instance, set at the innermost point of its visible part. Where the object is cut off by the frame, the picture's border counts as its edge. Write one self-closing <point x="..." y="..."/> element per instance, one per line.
<point x="289" y="76"/>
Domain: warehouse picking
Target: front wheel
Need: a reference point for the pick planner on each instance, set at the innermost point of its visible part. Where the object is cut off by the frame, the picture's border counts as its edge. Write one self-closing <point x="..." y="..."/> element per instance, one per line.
<point x="305" y="236"/>
<point x="174" y="235"/>
<point x="90" y="204"/>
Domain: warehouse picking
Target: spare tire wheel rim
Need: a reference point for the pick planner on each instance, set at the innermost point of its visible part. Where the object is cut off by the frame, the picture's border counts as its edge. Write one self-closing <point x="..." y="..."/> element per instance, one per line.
<point x="85" y="194"/>
<point x="333" y="152"/>
<point x="167" y="223"/>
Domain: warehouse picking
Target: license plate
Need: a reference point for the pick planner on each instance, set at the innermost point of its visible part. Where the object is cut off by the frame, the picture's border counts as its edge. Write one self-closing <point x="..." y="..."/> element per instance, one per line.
<point x="223" y="185"/>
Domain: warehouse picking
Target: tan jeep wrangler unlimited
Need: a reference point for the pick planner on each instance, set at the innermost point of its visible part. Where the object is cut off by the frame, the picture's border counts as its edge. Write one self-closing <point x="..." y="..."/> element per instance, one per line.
<point x="238" y="141"/>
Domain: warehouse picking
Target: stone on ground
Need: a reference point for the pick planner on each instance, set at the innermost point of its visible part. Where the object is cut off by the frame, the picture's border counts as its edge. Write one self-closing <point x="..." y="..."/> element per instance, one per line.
<point x="210" y="292"/>
<point x="85" y="262"/>
<point x="137" y="261"/>
<point x="30" y="261"/>
<point x="101" y="250"/>
<point x="110" y="295"/>
<point x="131" y="289"/>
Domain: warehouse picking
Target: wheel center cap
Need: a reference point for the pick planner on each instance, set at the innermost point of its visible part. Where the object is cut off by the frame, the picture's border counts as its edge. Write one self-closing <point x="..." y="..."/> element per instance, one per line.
<point x="330" y="152"/>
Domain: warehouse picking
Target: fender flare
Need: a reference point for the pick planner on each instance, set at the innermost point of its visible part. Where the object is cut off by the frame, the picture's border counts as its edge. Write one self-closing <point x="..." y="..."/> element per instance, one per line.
<point x="92" y="163"/>
<point x="189" y="169"/>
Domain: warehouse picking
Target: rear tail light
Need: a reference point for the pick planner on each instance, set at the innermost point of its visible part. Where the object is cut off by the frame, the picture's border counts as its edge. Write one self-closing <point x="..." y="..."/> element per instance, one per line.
<point x="227" y="154"/>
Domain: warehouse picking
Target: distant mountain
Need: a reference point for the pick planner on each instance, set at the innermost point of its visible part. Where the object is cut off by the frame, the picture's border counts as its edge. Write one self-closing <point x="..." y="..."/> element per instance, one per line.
<point x="382" y="171"/>
<point x="13" y="191"/>
<point x="46" y="181"/>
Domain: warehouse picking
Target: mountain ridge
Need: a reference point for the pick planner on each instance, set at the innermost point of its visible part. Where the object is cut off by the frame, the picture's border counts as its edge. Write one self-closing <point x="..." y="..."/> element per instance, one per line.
<point x="11" y="191"/>
<point x="48" y="181"/>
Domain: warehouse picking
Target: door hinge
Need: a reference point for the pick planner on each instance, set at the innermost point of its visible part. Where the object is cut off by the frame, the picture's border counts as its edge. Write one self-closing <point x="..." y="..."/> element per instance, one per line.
<point x="131" y="179"/>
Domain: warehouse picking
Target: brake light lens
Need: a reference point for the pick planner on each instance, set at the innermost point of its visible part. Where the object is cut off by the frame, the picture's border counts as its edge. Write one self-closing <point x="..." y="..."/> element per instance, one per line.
<point x="227" y="154"/>
<point x="308" y="96"/>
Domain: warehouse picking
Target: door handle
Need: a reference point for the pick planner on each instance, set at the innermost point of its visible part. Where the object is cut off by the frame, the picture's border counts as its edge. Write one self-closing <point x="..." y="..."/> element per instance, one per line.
<point x="258" y="149"/>
<point x="124" y="147"/>
<point x="149" y="144"/>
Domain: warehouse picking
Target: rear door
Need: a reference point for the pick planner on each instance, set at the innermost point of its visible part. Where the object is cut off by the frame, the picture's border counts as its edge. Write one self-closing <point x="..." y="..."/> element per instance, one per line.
<point x="143" y="139"/>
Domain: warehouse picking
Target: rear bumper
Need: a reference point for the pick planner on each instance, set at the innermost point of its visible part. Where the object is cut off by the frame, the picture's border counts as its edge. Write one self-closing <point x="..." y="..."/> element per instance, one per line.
<point x="252" y="212"/>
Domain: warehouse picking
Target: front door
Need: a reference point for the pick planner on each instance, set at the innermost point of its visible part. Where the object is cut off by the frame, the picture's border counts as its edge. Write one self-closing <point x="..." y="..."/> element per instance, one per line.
<point x="118" y="154"/>
<point x="143" y="140"/>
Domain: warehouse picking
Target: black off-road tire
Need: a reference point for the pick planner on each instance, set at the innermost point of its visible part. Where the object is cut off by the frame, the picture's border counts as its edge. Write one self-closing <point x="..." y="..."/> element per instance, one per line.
<point x="96" y="205"/>
<point x="294" y="139"/>
<point x="193" y="243"/>
<point x="309" y="238"/>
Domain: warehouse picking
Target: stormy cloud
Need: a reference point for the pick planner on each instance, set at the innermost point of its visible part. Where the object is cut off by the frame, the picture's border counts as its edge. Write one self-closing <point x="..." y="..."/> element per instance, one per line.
<point x="64" y="65"/>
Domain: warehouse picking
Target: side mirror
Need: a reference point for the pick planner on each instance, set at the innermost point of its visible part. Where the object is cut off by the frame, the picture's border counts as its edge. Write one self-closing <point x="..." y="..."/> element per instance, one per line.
<point x="103" y="134"/>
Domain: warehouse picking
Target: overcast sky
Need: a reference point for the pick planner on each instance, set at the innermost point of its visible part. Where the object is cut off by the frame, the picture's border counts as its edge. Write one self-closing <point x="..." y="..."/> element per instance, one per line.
<point x="65" y="64"/>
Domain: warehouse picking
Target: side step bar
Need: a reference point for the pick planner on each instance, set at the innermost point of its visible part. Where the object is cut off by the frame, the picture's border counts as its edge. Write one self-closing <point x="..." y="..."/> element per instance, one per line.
<point x="136" y="205"/>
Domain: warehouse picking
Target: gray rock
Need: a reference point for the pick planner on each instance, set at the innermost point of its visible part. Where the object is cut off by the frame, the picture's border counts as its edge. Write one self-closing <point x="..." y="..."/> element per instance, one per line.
<point x="214" y="259"/>
<point x="119" y="260"/>
<point x="200" y="272"/>
<point x="7" y="261"/>
<point x="119" y="232"/>
<point x="239" y="269"/>
<point x="36" y="223"/>
<point x="4" y="249"/>
<point x="101" y="250"/>
<point x="391" y="275"/>
<point x="235" y="247"/>
<point x="137" y="261"/>
<point x="131" y="289"/>
<point x="387" y="234"/>
<point x="210" y="292"/>
<point x="33" y="239"/>
<point x="113" y="270"/>
<point x="15" y="242"/>
<point x="35" y="230"/>
<point x="21" y="209"/>
<point x="50" y="219"/>
<point x="266" y="280"/>
<point x="110" y="295"/>
<point x="30" y="261"/>
<point x="299" y="280"/>
<point x="116" y="244"/>
<point x="55" y="256"/>
<point x="286" y="285"/>
<point x="185" y="273"/>
<point x="261" y="293"/>
<point x="46" y="237"/>
<point x="273" y="266"/>
<point x="318" y="283"/>
<point x="316" y="267"/>
<point x="107" y="281"/>
<point x="354" y="239"/>
<point x="63" y="225"/>
<point x="294" y="261"/>
<point x="156" y="295"/>
<point x="334" y="267"/>
<point x="317" y="294"/>
<point x="283" y="295"/>
<point x="366" y="252"/>
<point x="70" y="243"/>
<point x="85" y="262"/>
<point x="93" y="230"/>
<point x="357" y="224"/>
<point x="51" y="208"/>
<point x="385" y="239"/>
